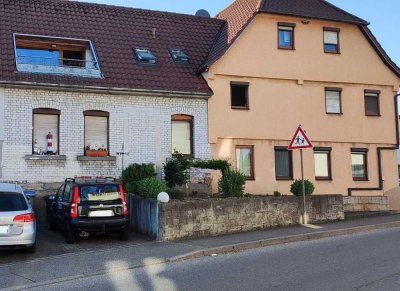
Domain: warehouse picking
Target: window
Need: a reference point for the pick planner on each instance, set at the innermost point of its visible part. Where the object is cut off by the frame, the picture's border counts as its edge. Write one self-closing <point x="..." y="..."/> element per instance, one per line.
<point x="96" y="130"/>
<point x="371" y="99"/>
<point x="333" y="100"/>
<point x="283" y="164"/>
<point x="286" y="35"/>
<point x="145" y="56"/>
<point x="179" y="55"/>
<point x="45" y="131"/>
<point x="245" y="160"/>
<point x="322" y="160"/>
<point x="40" y="54"/>
<point x="67" y="192"/>
<point x="331" y="40"/>
<point x="239" y="95"/>
<point x="359" y="162"/>
<point x="182" y="134"/>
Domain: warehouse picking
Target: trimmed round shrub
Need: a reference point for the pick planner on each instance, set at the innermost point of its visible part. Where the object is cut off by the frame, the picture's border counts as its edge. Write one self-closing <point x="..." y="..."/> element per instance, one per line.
<point x="297" y="187"/>
<point x="134" y="173"/>
<point x="232" y="183"/>
<point x="150" y="187"/>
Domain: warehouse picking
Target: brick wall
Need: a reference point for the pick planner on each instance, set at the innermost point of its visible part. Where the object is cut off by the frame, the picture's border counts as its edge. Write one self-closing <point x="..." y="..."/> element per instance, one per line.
<point x="142" y="123"/>
<point x="365" y="203"/>
<point x="210" y="217"/>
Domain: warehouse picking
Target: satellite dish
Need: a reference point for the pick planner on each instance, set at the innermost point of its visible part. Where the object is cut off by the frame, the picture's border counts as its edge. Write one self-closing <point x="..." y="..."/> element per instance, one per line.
<point x="203" y="13"/>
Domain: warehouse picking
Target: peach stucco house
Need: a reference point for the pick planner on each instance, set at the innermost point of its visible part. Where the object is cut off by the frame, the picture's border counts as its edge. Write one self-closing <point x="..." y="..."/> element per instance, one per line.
<point x="278" y="64"/>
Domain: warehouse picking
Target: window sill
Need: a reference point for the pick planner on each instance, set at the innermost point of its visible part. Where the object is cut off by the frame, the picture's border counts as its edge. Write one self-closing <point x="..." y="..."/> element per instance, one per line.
<point x="323" y="179"/>
<point x="45" y="158"/>
<point x="373" y="115"/>
<point x="283" y="179"/>
<point x="95" y="159"/>
<point x="360" y="180"/>
<point x="332" y="53"/>
<point x="333" y="113"/>
<point x="286" y="48"/>
<point x="240" y="108"/>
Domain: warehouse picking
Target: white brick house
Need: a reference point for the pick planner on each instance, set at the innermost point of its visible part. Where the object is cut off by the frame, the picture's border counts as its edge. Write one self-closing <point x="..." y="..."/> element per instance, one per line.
<point x="142" y="124"/>
<point x="89" y="76"/>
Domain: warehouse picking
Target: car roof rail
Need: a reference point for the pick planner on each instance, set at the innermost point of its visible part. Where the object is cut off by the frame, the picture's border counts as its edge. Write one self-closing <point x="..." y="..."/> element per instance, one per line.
<point x="69" y="180"/>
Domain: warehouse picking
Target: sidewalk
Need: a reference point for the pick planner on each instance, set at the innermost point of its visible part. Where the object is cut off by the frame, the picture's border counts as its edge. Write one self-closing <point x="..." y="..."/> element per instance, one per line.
<point x="91" y="262"/>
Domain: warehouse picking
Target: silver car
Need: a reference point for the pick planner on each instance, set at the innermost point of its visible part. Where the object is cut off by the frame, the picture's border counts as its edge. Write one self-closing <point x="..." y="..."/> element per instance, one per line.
<point x="17" y="219"/>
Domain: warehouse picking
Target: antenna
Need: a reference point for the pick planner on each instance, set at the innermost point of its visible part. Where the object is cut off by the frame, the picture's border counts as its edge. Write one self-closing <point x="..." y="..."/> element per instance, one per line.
<point x="203" y="13"/>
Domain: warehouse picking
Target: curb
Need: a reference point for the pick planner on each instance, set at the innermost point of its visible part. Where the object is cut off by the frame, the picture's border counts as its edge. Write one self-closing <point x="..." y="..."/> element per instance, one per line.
<point x="281" y="240"/>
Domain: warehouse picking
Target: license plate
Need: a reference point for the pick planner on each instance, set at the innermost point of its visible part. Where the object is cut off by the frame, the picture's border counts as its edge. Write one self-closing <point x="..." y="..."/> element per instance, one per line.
<point x="4" y="229"/>
<point x="101" y="213"/>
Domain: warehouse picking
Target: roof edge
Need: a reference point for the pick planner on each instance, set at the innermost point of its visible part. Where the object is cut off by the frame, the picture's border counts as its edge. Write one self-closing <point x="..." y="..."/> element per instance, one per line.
<point x="380" y="50"/>
<point x="110" y="90"/>
<point x="317" y="18"/>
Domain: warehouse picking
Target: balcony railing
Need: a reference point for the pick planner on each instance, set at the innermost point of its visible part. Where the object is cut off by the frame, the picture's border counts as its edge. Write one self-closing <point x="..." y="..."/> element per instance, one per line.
<point x="61" y="66"/>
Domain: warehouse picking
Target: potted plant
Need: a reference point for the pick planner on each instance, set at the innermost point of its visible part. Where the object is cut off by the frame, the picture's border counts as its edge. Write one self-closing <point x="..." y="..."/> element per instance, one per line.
<point x="96" y="151"/>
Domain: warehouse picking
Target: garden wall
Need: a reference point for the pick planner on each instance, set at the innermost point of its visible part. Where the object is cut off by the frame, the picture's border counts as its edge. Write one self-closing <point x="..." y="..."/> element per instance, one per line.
<point x="365" y="203"/>
<point x="211" y="217"/>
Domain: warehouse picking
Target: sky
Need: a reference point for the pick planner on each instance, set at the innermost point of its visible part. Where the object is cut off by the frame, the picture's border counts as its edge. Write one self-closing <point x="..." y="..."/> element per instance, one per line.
<point x="382" y="14"/>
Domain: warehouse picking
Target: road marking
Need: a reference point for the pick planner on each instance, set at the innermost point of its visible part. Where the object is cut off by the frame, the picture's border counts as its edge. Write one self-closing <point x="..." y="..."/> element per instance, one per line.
<point x="312" y="226"/>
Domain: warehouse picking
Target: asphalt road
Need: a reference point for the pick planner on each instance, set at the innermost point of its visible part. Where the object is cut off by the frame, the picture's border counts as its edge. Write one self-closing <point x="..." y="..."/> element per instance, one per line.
<point x="368" y="261"/>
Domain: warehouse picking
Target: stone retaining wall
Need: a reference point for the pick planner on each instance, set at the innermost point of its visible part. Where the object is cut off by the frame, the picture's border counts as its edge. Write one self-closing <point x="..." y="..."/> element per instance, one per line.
<point x="211" y="217"/>
<point x="365" y="203"/>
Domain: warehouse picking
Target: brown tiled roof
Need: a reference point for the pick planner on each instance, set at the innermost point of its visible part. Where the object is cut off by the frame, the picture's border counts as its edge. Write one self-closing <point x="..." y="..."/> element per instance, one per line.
<point x="237" y="16"/>
<point x="318" y="9"/>
<point x="114" y="32"/>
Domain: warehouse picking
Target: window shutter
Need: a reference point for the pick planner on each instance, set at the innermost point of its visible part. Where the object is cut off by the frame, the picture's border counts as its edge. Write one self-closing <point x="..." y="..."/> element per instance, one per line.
<point x="332" y="102"/>
<point x="96" y="131"/>
<point x="181" y="137"/>
<point x="42" y="125"/>
<point x="331" y="37"/>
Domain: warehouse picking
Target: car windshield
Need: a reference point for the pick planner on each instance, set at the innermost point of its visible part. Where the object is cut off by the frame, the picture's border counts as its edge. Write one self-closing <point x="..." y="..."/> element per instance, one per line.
<point x="12" y="202"/>
<point x="100" y="193"/>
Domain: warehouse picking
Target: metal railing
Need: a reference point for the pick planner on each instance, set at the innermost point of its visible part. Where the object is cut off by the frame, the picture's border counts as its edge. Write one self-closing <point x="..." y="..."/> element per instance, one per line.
<point x="56" y="62"/>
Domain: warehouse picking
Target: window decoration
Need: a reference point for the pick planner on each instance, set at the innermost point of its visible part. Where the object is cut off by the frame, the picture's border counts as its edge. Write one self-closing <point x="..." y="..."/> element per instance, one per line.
<point x="96" y="133"/>
<point x="45" y="131"/>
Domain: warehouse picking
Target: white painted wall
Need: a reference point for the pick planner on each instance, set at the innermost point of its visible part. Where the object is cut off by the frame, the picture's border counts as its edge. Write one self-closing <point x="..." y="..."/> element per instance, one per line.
<point x="143" y="123"/>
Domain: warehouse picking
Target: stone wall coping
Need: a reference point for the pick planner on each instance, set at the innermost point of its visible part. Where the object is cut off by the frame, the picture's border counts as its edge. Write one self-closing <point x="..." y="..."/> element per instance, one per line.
<point x="45" y="158"/>
<point x="101" y="159"/>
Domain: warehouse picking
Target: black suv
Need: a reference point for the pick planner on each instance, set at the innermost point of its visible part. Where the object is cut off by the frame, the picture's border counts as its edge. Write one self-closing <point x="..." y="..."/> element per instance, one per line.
<point x="88" y="206"/>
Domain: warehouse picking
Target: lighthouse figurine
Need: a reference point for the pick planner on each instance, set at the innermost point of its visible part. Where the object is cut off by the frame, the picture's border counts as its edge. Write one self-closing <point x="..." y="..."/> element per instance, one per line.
<point x="35" y="147"/>
<point x="49" y="143"/>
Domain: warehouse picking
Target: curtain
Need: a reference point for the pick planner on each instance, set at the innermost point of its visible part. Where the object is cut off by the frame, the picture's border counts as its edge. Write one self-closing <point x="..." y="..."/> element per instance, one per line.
<point x="332" y="101"/>
<point x="357" y="164"/>
<point x="282" y="163"/>
<point x="243" y="161"/>
<point x="321" y="164"/>
<point x="181" y="137"/>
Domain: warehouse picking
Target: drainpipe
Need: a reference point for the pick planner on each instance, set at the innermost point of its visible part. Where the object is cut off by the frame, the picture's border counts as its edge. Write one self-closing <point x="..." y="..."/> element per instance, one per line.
<point x="379" y="153"/>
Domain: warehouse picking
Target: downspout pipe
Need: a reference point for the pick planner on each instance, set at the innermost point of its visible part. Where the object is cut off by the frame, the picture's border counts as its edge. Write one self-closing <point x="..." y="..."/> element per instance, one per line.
<point x="379" y="153"/>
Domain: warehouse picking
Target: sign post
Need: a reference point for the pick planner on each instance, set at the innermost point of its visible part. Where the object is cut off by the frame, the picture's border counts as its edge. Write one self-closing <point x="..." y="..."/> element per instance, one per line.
<point x="300" y="141"/>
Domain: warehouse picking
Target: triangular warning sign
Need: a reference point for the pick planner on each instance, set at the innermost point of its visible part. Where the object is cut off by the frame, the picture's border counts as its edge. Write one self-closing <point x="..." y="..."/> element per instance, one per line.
<point x="300" y="140"/>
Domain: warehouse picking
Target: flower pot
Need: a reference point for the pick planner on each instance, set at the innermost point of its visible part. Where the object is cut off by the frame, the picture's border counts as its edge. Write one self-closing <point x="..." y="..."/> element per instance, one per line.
<point x="93" y="153"/>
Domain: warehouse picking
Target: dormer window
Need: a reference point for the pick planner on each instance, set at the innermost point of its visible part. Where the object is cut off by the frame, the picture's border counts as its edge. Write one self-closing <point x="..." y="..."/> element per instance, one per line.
<point x="145" y="56"/>
<point x="53" y="55"/>
<point x="179" y="56"/>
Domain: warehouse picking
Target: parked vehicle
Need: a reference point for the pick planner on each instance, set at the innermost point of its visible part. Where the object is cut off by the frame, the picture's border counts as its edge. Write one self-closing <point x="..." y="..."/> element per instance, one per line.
<point x="17" y="219"/>
<point x="82" y="207"/>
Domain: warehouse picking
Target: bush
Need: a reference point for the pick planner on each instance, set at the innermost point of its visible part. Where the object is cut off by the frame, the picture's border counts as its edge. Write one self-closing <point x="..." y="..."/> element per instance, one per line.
<point x="232" y="183"/>
<point x="221" y="165"/>
<point x="150" y="187"/>
<point x="277" y="194"/>
<point x="134" y="173"/>
<point x="176" y="194"/>
<point x="297" y="188"/>
<point x="176" y="170"/>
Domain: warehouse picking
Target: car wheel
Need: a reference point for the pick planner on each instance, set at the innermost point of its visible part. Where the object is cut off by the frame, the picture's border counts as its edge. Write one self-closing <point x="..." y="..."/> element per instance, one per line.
<point x="70" y="237"/>
<point x="124" y="235"/>
<point x="31" y="249"/>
